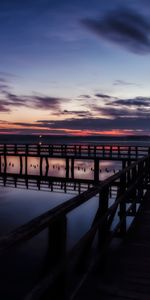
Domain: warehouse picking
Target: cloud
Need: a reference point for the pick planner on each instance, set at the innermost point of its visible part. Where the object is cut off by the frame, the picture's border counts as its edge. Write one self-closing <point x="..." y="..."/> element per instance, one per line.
<point x="99" y="124"/>
<point x="124" y="27"/>
<point x="124" y="83"/>
<point x="103" y="96"/>
<point x="32" y="101"/>
<point x="4" y="85"/>
<point x="85" y="96"/>
<point x="136" y="102"/>
<point x="45" y="102"/>
<point x="79" y="113"/>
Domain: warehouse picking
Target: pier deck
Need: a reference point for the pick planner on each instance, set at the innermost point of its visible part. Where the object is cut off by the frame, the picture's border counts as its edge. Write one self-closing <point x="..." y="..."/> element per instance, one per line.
<point x="126" y="274"/>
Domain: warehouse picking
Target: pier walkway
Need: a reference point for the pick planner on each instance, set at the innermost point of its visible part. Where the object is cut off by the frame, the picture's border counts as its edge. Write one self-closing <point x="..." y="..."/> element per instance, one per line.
<point x="126" y="273"/>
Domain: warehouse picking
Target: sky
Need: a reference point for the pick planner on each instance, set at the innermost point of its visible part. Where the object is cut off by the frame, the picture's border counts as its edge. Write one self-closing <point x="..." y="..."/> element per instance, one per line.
<point x="75" y="67"/>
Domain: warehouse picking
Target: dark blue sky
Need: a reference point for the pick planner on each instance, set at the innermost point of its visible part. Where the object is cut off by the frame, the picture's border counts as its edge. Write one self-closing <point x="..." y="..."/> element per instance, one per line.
<point x="75" y="66"/>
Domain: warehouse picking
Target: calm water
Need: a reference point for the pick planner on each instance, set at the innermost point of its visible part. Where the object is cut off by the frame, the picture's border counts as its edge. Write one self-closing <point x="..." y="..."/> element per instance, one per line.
<point x="24" y="265"/>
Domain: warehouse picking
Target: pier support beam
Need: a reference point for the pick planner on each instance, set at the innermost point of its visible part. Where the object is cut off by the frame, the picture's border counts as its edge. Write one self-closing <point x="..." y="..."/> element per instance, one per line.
<point x="41" y="163"/>
<point x="5" y="163"/>
<point x="21" y="165"/>
<point x="47" y="166"/>
<point x="67" y="167"/>
<point x="96" y="169"/>
<point x="72" y="168"/>
<point x="26" y="165"/>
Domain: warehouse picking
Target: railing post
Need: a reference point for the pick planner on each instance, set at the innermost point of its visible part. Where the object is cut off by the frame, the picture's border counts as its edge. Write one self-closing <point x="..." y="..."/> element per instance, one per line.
<point x="103" y="207"/>
<point x="80" y="150"/>
<point x="111" y="151"/>
<point x="133" y="196"/>
<point x="57" y="235"/>
<point x="50" y="150"/>
<point x="75" y="150"/>
<point x="122" y="211"/>
<point x="39" y="149"/>
<point x="149" y="168"/>
<point x="140" y="185"/>
<point x="67" y="167"/>
<point x="15" y="149"/>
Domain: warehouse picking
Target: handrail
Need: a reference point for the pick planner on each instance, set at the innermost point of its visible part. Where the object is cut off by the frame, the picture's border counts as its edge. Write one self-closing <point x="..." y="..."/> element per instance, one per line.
<point x="36" y="225"/>
<point x="78" y="249"/>
<point x="76" y="150"/>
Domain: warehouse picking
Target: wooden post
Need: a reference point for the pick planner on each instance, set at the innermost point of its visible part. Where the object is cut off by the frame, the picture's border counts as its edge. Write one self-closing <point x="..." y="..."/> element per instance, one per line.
<point x="5" y="158"/>
<point x="26" y="160"/>
<point x="38" y="149"/>
<point x="140" y="185"/>
<point x="75" y="150"/>
<point x="50" y="150"/>
<point x="124" y="164"/>
<point x="20" y="164"/>
<point x="111" y="151"/>
<point x="15" y="149"/>
<point x="96" y="169"/>
<point x="57" y="240"/>
<point x="67" y="167"/>
<point x="89" y="150"/>
<point x="122" y="212"/>
<point x="72" y="167"/>
<point x="26" y="165"/>
<point x="118" y="151"/>
<point x="136" y="152"/>
<point x="103" y="207"/>
<point x="80" y="150"/>
<point x="41" y="161"/>
<point x="47" y="166"/>
<point x="133" y="196"/>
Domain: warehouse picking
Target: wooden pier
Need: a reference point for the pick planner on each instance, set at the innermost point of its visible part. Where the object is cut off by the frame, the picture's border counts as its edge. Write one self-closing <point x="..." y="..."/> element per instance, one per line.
<point x="70" y="273"/>
<point x="70" y="154"/>
<point x="76" y="151"/>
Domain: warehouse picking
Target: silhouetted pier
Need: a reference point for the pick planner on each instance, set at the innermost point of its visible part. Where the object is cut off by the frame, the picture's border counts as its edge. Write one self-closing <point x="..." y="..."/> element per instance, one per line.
<point x="70" y="153"/>
<point x="69" y="274"/>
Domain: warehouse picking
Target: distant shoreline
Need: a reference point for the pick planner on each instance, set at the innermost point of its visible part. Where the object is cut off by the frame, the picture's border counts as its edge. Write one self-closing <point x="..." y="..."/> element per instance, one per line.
<point x="60" y="139"/>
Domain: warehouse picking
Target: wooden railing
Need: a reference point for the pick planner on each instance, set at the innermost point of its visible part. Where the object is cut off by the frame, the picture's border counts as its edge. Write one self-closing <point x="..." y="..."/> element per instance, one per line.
<point x="132" y="183"/>
<point x="44" y="183"/>
<point x="77" y="151"/>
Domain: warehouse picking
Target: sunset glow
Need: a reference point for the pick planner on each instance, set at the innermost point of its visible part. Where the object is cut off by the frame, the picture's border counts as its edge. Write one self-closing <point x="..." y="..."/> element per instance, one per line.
<point x="70" y="70"/>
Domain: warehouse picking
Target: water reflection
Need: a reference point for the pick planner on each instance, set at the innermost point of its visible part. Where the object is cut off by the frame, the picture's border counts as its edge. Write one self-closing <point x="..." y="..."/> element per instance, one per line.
<point x="51" y="167"/>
